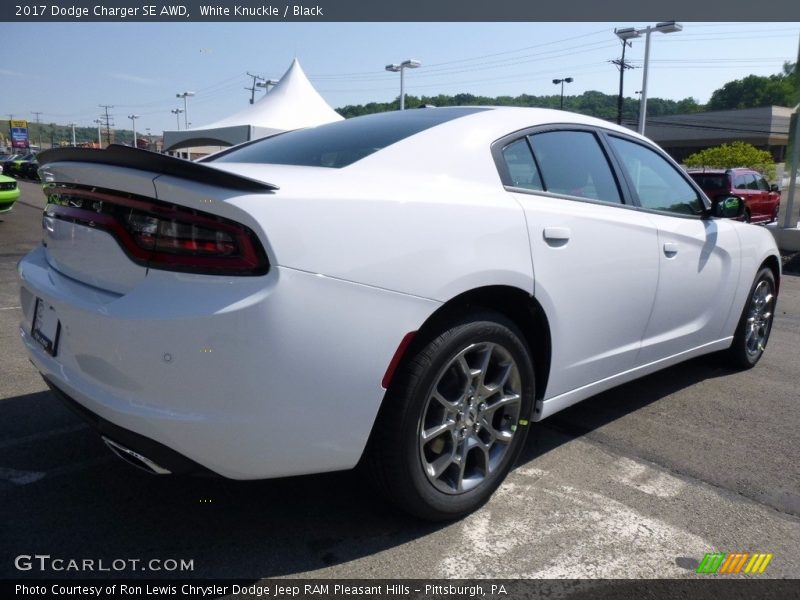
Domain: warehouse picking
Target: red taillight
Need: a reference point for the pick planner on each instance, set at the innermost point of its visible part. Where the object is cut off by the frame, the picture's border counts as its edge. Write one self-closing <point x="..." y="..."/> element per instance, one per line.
<point x="163" y="236"/>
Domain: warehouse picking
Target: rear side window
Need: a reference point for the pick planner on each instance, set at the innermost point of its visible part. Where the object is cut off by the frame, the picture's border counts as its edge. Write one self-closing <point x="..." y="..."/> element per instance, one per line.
<point x="573" y="163"/>
<point x="521" y="168"/>
<point x="657" y="183"/>
<point x="711" y="183"/>
<point x="339" y="144"/>
<point x="740" y="182"/>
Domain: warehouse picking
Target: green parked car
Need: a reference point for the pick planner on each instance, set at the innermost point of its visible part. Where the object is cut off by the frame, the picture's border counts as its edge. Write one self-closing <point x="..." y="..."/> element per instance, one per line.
<point x="9" y="192"/>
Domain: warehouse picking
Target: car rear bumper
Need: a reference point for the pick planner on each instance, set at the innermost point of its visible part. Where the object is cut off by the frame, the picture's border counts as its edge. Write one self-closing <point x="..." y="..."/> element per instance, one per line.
<point x="249" y="377"/>
<point x="152" y="454"/>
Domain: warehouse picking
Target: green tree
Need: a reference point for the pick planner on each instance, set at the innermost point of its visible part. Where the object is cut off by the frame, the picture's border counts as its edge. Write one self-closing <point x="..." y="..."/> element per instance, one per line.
<point x="755" y="90"/>
<point x="736" y="154"/>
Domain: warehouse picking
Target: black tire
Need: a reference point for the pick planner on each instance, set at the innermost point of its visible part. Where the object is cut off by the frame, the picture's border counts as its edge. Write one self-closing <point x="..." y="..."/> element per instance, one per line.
<point x="474" y="427"/>
<point x="747" y="216"/>
<point x="751" y="336"/>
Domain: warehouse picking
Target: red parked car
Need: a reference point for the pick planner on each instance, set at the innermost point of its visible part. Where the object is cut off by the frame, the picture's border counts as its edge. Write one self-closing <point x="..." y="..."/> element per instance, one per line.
<point x="762" y="201"/>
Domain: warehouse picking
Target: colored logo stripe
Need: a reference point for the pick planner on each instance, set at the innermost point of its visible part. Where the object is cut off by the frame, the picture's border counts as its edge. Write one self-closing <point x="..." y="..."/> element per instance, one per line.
<point x="711" y="563"/>
<point x="758" y="563"/>
<point x="720" y="562"/>
<point x="734" y="562"/>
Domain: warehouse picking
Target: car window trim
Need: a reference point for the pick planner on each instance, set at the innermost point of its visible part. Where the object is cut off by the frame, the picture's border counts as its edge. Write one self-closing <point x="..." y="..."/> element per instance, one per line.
<point x="497" y="147"/>
<point x="545" y="194"/>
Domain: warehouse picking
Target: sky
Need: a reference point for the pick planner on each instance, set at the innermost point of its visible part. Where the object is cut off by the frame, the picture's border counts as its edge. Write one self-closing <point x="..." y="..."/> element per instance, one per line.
<point x="66" y="70"/>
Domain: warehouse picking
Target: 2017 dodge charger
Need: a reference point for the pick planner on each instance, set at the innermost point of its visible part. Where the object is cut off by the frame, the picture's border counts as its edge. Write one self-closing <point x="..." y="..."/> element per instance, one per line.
<point x="407" y="290"/>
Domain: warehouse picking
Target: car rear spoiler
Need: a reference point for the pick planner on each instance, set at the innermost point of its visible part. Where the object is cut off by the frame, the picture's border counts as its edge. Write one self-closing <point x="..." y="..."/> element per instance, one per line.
<point x="162" y="164"/>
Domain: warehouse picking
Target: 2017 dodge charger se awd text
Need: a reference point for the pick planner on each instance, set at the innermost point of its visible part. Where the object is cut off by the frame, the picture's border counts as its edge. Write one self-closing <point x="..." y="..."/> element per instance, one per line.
<point x="404" y="290"/>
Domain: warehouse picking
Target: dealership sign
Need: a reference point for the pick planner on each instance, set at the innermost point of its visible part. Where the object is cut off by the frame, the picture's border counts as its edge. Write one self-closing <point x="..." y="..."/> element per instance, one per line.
<point x="19" y="134"/>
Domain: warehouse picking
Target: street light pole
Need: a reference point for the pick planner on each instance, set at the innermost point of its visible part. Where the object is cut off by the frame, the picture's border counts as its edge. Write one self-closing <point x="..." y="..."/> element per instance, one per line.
<point x="177" y="112"/>
<point x="99" y="135"/>
<point x="631" y="32"/>
<point x="266" y="83"/>
<point x="562" y="82"/>
<point x="185" y="95"/>
<point x="73" y="133"/>
<point x="794" y="164"/>
<point x="394" y="68"/>
<point x="38" y="128"/>
<point x="133" y="120"/>
<point x="643" y="105"/>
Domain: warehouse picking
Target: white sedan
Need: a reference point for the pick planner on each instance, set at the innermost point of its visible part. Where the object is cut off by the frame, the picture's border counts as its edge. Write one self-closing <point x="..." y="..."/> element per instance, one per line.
<point x="406" y="291"/>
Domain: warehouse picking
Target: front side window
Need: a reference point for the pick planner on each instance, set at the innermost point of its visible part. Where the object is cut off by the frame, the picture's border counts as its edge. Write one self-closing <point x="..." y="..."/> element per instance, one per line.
<point x="762" y="183"/>
<point x="573" y="163"/>
<point x="657" y="183"/>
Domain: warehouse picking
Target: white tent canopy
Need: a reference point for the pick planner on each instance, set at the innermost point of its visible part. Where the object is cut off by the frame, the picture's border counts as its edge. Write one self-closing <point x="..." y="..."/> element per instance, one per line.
<point x="292" y="104"/>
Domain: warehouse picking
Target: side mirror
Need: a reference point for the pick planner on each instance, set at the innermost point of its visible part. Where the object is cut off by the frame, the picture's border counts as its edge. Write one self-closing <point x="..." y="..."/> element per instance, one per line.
<point x="774" y="188"/>
<point x="727" y="207"/>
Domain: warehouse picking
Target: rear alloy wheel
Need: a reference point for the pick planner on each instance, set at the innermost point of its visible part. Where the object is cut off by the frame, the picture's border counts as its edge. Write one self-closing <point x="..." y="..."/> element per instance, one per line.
<point x="755" y="324"/>
<point x="455" y="420"/>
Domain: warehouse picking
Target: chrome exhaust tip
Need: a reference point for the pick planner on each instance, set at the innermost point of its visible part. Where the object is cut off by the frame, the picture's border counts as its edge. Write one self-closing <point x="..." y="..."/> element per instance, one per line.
<point x="134" y="458"/>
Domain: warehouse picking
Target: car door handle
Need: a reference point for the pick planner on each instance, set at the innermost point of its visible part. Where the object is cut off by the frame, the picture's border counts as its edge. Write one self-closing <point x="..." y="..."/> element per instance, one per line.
<point x="556" y="236"/>
<point x="670" y="249"/>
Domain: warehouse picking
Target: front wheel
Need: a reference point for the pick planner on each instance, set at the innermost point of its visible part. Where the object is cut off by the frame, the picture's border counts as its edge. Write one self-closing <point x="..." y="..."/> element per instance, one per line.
<point x="755" y="324"/>
<point x="455" y="419"/>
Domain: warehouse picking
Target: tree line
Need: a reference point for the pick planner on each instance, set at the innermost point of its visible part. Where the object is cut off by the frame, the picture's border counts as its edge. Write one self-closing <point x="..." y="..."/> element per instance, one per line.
<point x="782" y="89"/>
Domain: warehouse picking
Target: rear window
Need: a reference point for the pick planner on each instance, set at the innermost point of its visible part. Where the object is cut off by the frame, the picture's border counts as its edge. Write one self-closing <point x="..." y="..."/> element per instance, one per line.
<point x="339" y="144"/>
<point x="710" y="182"/>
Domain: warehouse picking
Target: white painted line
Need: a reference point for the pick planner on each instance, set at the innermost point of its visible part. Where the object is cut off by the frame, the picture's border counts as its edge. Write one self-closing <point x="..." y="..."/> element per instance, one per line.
<point x="42" y="435"/>
<point x="10" y="307"/>
<point x="27" y="477"/>
<point x="86" y="464"/>
<point x="20" y="477"/>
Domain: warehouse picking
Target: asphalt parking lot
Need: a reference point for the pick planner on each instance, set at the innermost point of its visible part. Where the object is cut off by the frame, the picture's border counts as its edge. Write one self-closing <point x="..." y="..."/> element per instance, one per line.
<point x="637" y="482"/>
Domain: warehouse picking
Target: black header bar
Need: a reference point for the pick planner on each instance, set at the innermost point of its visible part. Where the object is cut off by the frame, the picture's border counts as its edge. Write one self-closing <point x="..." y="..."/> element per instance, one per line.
<point x="272" y="11"/>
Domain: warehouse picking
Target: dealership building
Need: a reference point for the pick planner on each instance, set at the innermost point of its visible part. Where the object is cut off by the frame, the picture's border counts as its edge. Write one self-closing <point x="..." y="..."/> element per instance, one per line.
<point x="766" y="128"/>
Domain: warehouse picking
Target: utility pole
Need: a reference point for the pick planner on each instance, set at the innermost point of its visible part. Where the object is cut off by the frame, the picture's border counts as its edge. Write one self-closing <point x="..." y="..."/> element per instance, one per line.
<point x="107" y="119"/>
<point x="73" y="133"/>
<point x="622" y="65"/>
<point x="38" y="129"/>
<point x="252" y="89"/>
